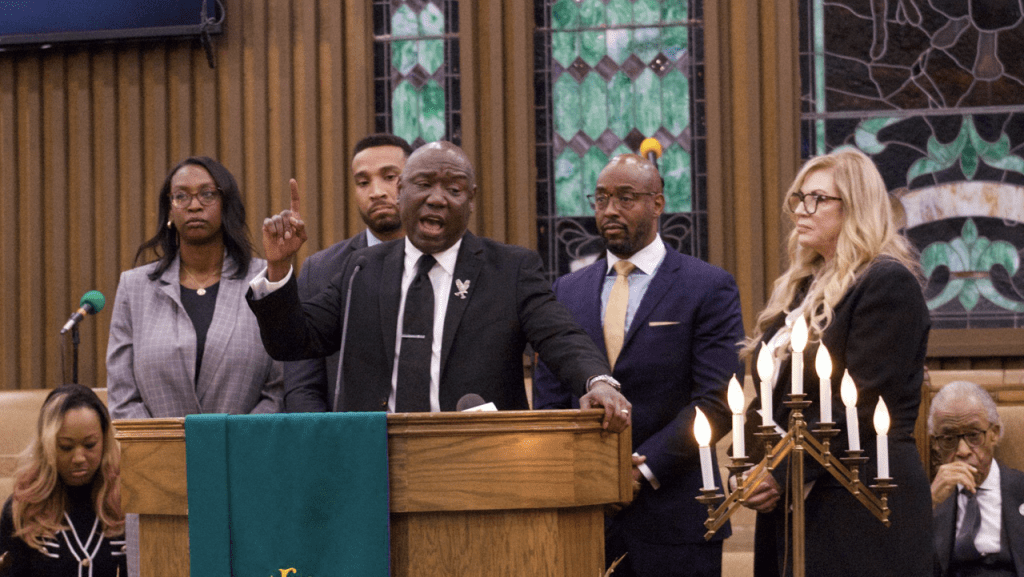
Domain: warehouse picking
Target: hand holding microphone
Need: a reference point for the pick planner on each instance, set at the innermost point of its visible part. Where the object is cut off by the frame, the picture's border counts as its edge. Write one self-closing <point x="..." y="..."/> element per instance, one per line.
<point x="92" y="302"/>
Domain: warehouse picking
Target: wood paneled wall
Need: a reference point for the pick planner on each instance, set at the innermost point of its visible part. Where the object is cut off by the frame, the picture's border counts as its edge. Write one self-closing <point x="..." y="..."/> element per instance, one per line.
<point x="87" y="135"/>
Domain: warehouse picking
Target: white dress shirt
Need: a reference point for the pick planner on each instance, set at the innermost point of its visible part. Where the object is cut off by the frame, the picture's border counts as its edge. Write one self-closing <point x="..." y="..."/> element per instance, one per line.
<point x="990" y="505"/>
<point x="440" y="278"/>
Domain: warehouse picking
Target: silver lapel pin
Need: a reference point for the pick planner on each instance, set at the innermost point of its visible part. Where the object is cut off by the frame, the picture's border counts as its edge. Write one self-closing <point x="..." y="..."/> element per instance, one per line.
<point x="463" y="287"/>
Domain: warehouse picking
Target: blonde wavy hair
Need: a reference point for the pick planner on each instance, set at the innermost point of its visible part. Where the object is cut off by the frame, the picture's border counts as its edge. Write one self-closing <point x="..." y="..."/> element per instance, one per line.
<point x="40" y="496"/>
<point x="869" y="231"/>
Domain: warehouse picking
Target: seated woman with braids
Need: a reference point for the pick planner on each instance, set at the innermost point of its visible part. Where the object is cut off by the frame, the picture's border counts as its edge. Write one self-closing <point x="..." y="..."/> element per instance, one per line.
<point x="64" y="518"/>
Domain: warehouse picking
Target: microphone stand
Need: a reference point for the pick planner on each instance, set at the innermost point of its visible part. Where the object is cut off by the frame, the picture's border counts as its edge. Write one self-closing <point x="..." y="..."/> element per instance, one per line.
<point x="74" y="354"/>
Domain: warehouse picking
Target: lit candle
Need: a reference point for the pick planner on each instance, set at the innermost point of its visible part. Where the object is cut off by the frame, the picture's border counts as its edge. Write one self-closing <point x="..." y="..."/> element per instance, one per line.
<point x="739" y="449"/>
<point x="798" y="340"/>
<point x="823" y="366"/>
<point x="766" y="372"/>
<point x="882" y="438"/>
<point x="849" y="393"/>
<point x="702" y="432"/>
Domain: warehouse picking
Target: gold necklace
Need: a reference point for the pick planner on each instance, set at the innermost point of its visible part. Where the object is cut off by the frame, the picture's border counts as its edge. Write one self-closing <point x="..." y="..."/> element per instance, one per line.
<point x="202" y="286"/>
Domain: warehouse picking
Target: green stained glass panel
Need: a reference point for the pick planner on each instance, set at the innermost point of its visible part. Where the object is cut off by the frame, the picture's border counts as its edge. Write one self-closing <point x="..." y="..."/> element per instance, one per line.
<point x="403" y="55"/>
<point x="647" y="11"/>
<point x="595" y="105"/>
<point x="619" y="44"/>
<point x="432" y="112"/>
<point x="431" y="20"/>
<point x="431" y="54"/>
<point x="620" y="105"/>
<point x="675" y="98"/>
<point x="674" y="40"/>
<point x="404" y="22"/>
<point x="569" y="195"/>
<point x="647" y="102"/>
<point x="592" y="43"/>
<point x="646" y="44"/>
<point x="675" y="168"/>
<point x="565" y="14"/>
<point x="620" y="12"/>
<point x="405" y="111"/>
<point x="568" y="112"/>
<point x="673" y="12"/>
<point x="593" y="161"/>
<point x="565" y="47"/>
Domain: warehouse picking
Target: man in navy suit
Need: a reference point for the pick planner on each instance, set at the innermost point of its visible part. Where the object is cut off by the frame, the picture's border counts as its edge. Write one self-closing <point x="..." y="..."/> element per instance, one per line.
<point x="676" y="351"/>
<point x="979" y="503"/>
<point x="377" y="163"/>
<point x="477" y="303"/>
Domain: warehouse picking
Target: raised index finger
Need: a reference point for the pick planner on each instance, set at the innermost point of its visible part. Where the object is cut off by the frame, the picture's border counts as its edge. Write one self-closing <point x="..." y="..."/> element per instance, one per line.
<point x="295" y="195"/>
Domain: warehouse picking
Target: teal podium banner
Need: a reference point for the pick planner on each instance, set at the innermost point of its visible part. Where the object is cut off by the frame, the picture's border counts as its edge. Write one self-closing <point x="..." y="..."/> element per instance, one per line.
<point x="291" y="495"/>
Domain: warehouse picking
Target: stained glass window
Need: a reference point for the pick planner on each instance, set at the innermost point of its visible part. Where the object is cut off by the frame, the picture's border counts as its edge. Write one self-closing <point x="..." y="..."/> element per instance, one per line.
<point x="934" y="93"/>
<point x="610" y="73"/>
<point x="416" y="69"/>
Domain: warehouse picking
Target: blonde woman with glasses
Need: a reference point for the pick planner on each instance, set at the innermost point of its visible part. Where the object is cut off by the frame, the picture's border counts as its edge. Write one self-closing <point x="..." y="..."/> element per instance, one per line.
<point x="856" y="282"/>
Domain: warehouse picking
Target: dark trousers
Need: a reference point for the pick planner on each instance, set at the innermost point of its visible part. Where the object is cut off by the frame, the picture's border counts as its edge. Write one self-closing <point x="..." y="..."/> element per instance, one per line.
<point x="660" y="559"/>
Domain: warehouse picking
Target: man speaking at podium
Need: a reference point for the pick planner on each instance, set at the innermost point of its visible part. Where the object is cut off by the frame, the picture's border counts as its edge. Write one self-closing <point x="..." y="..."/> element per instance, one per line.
<point x="671" y="325"/>
<point x="437" y="315"/>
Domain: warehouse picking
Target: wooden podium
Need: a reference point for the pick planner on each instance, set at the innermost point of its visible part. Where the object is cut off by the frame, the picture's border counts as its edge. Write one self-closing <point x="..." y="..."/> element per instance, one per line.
<point x="489" y="493"/>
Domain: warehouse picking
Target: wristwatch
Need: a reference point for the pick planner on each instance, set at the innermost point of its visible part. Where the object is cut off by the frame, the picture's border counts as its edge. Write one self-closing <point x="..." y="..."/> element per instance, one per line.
<point x="610" y="380"/>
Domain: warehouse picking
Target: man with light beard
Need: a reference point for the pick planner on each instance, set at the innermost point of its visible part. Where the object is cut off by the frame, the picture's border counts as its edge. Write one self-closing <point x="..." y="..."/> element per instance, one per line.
<point x="377" y="163"/>
<point x="670" y="326"/>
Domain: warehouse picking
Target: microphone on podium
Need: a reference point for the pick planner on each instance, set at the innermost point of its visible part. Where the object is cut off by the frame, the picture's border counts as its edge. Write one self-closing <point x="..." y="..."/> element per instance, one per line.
<point x="92" y="302"/>
<point x="473" y="402"/>
<point x="339" y="385"/>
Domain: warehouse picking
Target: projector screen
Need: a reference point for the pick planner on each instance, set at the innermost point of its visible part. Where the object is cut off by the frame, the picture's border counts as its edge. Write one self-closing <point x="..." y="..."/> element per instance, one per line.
<point x="44" y="22"/>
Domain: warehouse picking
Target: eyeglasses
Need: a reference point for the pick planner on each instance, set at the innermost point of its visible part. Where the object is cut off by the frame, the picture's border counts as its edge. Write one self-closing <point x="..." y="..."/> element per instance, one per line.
<point x="809" y="200"/>
<point x="973" y="437"/>
<point x="625" y="201"/>
<point x="206" y="197"/>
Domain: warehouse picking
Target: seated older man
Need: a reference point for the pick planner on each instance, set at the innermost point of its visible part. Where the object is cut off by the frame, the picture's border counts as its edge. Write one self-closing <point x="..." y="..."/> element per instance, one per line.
<point x="978" y="510"/>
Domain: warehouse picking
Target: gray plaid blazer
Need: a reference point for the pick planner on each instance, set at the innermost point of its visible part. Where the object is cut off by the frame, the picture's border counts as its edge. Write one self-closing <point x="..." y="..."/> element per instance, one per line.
<point x="151" y="354"/>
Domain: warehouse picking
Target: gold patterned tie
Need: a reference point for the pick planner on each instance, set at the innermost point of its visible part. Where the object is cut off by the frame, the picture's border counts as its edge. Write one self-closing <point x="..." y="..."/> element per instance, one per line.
<point x="615" y="313"/>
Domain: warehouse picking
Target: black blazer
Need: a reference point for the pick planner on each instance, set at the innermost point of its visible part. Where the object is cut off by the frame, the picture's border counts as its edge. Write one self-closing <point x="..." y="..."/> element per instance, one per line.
<point x="309" y="383"/>
<point x="508" y="304"/>
<point x="1011" y="486"/>
<point x="880" y="333"/>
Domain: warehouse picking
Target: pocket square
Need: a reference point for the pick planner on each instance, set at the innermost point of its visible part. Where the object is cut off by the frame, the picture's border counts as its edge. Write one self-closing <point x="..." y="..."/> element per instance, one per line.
<point x="662" y="323"/>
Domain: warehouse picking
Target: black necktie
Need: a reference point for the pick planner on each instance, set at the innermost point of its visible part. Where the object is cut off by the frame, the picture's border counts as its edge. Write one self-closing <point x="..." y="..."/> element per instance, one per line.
<point x="964" y="549"/>
<point x="413" y="394"/>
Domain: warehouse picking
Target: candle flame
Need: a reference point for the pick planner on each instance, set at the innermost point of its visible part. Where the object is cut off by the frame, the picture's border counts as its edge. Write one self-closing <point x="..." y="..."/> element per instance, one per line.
<point x="848" y="390"/>
<point x="735" y="396"/>
<point x="823" y="363"/>
<point x="881" y="418"/>
<point x="765" y="364"/>
<point x="702" y="429"/>
<point x="798" y="339"/>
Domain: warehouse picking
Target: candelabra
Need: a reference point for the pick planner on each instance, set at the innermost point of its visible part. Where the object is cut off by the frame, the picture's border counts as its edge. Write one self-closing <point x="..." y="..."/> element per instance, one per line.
<point x="796" y="443"/>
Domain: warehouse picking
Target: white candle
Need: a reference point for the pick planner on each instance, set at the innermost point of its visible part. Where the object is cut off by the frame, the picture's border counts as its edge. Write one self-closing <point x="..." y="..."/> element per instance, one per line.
<point x="735" y="396"/>
<point x="882" y="438"/>
<point x="702" y="432"/>
<point x="849" y="393"/>
<point x="798" y="340"/>
<point x="823" y="366"/>
<point x="766" y="372"/>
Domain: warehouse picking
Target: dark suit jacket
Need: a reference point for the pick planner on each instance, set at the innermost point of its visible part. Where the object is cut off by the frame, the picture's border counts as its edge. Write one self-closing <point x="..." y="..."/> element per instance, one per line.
<point x="679" y="353"/>
<point x="1011" y="485"/>
<point x="508" y="304"/>
<point x="879" y="332"/>
<point x="309" y="383"/>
